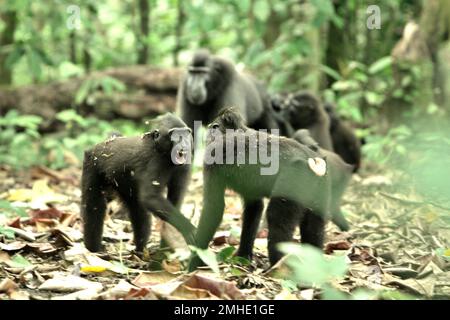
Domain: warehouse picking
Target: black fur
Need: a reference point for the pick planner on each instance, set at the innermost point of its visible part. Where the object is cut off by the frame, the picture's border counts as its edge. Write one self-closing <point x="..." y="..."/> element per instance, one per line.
<point x="137" y="170"/>
<point x="345" y="142"/>
<point x="295" y="182"/>
<point x="303" y="110"/>
<point x="212" y="84"/>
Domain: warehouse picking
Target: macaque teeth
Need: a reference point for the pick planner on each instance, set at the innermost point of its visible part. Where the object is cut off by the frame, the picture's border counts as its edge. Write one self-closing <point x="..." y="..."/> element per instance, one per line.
<point x="318" y="166"/>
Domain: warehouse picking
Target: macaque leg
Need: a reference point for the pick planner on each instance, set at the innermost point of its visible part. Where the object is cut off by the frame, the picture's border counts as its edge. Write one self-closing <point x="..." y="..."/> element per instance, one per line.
<point x="282" y="218"/>
<point x="93" y="208"/>
<point x="312" y="229"/>
<point x="251" y="219"/>
<point x="211" y="217"/>
<point x="141" y="222"/>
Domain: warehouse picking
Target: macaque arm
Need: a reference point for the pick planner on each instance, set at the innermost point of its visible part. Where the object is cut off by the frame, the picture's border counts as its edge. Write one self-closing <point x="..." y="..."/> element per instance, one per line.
<point x="211" y="217"/>
<point x="177" y="188"/>
<point x="167" y="212"/>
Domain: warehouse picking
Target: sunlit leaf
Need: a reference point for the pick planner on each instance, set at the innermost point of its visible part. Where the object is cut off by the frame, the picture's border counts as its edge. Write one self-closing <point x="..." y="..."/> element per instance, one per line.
<point x="380" y="65"/>
<point x="208" y="257"/>
<point x="18" y="261"/>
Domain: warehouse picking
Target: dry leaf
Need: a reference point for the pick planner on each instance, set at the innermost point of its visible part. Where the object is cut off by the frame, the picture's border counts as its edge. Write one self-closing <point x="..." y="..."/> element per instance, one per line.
<point x="7" y="285"/>
<point x="67" y="283"/>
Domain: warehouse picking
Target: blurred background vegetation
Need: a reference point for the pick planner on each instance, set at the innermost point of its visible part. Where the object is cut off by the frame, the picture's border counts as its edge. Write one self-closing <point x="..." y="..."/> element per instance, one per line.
<point x="391" y="80"/>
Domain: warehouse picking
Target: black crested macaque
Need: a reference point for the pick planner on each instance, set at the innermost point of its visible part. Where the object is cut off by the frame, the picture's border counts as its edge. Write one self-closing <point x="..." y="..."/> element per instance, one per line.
<point x="303" y="110"/>
<point x="138" y="170"/>
<point x="279" y="107"/>
<point x="212" y="83"/>
<point x="301" y="177"/>
<point x="340" y="173"/>
<point x="345" y="142"/>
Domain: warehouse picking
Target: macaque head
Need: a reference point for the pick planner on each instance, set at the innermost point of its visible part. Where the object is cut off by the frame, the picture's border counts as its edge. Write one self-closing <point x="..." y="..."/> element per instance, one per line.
<point x="229" y="118"/>
<point x="173" y="137"/>
<point x="303" y="108"/>
<point x="198" y="78"/>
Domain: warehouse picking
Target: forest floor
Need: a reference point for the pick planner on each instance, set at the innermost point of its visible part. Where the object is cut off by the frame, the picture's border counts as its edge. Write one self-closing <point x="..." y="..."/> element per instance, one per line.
<point x="398" y="245"/>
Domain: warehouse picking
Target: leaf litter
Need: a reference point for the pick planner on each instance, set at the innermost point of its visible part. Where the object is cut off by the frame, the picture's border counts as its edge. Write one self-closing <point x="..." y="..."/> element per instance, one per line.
<point x="398" y="247"/>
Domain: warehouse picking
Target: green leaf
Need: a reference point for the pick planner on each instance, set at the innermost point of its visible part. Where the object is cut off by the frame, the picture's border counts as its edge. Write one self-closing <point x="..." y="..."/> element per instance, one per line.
<point x="330" y="293"/>
<point x="18" y="261"/>
<point x="396" y="295"/>
<point x="380" y="65"/>
<point x="236" y="272"/>
<point x="244" y="5"/>
<point x="225" y="254"/>
<point x="7" y="232"/>
<point x="310" y="266"/>
<point x="14" y="57"/>
<point x="119" y="267"/>
<point x="330" y="72"/>
<point x="444" y="253"/>
<point x="70" y="115"/>
<point x="240" y="261"/>
<point x="34" y="62"/>
<point x="261" y="10"/>
<point x="83" y="91"/>
<point x="9" y="208"/>
<point x="208" y="257"/>
<point x="289" y="285"/>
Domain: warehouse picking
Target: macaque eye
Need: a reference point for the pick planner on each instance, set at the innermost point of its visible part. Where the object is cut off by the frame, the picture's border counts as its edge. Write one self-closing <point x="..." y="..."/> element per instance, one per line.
<point x="155" y="134"/>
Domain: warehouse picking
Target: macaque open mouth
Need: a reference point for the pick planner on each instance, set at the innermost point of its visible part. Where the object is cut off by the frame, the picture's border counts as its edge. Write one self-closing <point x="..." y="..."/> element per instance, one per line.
<point x="180" y="156"/>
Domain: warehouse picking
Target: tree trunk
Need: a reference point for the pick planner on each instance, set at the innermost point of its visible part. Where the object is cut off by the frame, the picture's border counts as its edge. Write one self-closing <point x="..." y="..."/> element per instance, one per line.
<point x="178" y="31"/>
<point x="87" y="58"/>
<point x="411" y="52"/>
<point x="273" y="25"/>
<point x="336" y="52"/>
<point x="72" y="47"/>
<point x="434" y="22"/>
<point x="144" y="20"/>
<point x="6" y="39"/>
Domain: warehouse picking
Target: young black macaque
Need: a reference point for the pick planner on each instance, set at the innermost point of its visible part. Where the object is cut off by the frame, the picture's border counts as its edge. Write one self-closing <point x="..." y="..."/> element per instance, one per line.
<point x="301" y="178"/>
<point x="212" y="83"/>
<point x="138" y="170"/>
<point x="340" y="173"/>
<point x="303" y="110"/>
<point x="345" y="142"/>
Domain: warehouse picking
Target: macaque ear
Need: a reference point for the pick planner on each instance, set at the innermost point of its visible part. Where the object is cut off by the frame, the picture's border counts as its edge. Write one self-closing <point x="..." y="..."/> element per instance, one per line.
<point x="181" y="130"/>
<point x="214" y="126"/>
<point x="155" y="134"/>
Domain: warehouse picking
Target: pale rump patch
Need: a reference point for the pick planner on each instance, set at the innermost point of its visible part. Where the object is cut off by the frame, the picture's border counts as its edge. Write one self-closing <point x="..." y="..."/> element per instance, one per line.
<point x="318" y="166"/>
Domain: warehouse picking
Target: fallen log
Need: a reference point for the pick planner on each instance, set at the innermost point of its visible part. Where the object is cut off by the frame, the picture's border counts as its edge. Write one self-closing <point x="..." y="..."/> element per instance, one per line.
<point x="148" y="91"/>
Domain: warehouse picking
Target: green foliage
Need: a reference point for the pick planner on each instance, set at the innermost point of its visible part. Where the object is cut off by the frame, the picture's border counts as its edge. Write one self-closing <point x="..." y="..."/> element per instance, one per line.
<point x="383" y="148"/>
<point x="302" y="257"/>
<point x="106" y="84"/>
<point x="212" y="260"/>
<point x="444" y="253"/>
<point x="208" y="257"/>
<point x="18" y="135"/>
<point x="226" y="256"/>
<point x="7" y="232"/>
<point x="22" y="146"/>
<point x="310" y="267"/>
<point x="362" y="85"/>
<point x="7" y="208"/>
<point x="19" y="261"/>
